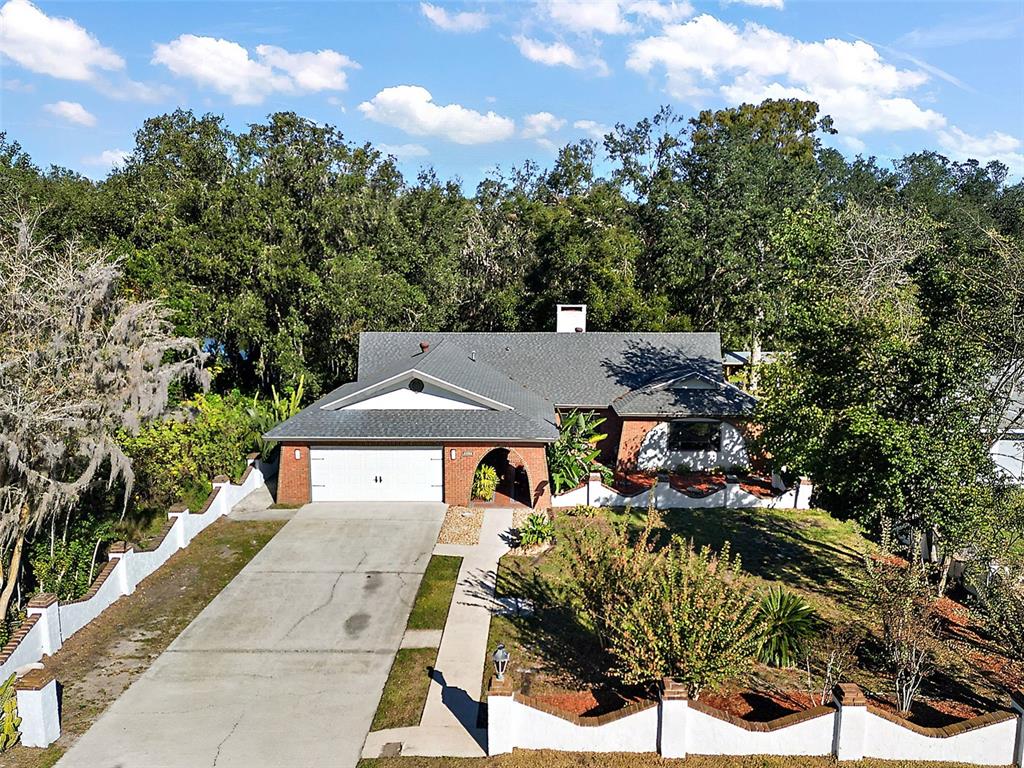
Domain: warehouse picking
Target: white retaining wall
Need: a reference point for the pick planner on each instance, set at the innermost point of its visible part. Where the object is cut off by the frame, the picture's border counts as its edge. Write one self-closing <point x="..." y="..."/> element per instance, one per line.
<point x="989" y="745"/>
<point x="708" y="735"/>
<point x="54" y="623"/>
<point x="676" y="728"/>
<point x="595" y="493"/>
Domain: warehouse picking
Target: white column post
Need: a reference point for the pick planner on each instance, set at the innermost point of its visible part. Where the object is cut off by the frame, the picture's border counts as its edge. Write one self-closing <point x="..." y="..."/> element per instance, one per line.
<point x="594" y="479"/>
<point x="121" y="552"/>
<point x="1017" y="700"/>
<point x="179" y="513"/>
<point x="804" y="489"/>
<point x="501" y="737"/>
<point x="37" y="708"/>
<point x="672" y="715"/>
<point x="851" y="722"/>
<point x="46" y="607"/>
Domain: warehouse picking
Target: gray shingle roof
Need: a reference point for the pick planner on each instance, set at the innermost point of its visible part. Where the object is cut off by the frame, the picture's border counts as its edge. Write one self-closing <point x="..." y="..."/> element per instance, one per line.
<point x="529" y="372"/>
<point x="664" y="398"/>
<point x="585" y="369"/>
<point x="531" y="416"/>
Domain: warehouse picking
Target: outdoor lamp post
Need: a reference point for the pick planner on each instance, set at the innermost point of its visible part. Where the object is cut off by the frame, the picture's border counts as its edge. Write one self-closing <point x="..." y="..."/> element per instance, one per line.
<point x="500" y="659"/>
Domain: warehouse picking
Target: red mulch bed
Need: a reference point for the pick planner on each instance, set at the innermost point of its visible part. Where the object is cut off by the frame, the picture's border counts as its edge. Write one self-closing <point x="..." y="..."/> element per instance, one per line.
<point x="587" y="703"/>
<point x="760" y="706"/>
<point x="976" y="648"/>
<point x="930" y="713"/>
<point x="758" y="486"/>
<point x="697" y="484"/>
<point x="632" y="483"/>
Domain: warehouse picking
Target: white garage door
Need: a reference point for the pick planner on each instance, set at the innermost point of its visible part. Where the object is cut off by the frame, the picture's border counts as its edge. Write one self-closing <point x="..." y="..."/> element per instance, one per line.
<point x="356" y="473"/>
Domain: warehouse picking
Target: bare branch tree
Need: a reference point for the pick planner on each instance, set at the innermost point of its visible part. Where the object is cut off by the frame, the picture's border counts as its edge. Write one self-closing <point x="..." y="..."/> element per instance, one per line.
<point x="78" y="364"/>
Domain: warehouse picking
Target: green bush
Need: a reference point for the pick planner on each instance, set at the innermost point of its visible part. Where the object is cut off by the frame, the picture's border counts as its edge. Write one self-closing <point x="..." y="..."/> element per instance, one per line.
<point x="788" y="622"/>
<point x="174" y="459"/>
<point x="9" y="720"/>
<point x="267" y="415"/>
<point x="1001" y="599"/>
<point x="537" y="530"/>
<point x="485" y="482"/>
<point x="694" y="619"/>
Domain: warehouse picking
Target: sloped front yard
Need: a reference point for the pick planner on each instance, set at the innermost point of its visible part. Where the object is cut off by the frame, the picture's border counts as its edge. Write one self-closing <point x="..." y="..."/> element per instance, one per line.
<point x="807" y="552"/>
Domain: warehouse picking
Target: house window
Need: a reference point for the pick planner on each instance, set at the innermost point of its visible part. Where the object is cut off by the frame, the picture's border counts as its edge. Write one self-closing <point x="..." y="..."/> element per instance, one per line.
<point x="694" y="435"/>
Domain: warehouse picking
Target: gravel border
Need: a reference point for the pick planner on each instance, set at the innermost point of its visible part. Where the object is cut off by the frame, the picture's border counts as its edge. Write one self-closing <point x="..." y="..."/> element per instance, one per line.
<point x="461" y="526"/>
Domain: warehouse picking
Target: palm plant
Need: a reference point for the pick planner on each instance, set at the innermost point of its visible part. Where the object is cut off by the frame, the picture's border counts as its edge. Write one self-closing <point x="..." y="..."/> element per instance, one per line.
<point x="266" y="417"/>
<point x="788" y="624"/>
<point x="574" y="454"/>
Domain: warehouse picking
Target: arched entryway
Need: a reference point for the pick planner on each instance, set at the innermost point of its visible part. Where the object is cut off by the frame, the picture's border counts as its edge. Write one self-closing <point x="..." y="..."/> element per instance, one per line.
<point x="513" y="480"/>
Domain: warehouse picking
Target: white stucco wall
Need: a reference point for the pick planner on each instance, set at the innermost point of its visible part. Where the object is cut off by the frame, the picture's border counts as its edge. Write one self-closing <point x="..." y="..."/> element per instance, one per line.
<point x="654" y="453"/>
<point x="990" y="745"/>
<point x="1009" y="456"/>
<point x="597" y="494"/>
<point x="539" y="730"/>
<point x="707" y="735"/>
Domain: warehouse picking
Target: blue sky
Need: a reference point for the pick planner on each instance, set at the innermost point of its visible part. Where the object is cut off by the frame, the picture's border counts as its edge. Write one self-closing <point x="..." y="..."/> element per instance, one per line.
<point x="470" y="86"/>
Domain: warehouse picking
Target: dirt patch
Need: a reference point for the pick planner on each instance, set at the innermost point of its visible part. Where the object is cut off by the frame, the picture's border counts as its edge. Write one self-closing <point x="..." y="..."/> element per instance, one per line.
<point x="759" y="706"/>
<point x="461" y="526"/>
<point x="99" y="662"/>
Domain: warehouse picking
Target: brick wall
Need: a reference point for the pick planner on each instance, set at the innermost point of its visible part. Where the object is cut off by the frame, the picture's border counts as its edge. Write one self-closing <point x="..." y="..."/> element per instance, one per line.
<point x="632" y="437"/>
<point x="458" y="472"/>
<point x="293" y="476"/>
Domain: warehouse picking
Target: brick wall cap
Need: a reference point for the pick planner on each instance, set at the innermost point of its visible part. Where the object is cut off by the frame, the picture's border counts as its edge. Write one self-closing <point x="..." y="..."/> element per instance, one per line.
<point x="222" y="479"/>
<point x="849" y="695"/>
<point x="252" y="456"/>
<point x="500" y="687"/>
<point x="34" y="680"/>
<point x="42" y="600"/>
<point x="177" y="509"/>
<point x="120" y="548"/>
<point x="674" y="690"/>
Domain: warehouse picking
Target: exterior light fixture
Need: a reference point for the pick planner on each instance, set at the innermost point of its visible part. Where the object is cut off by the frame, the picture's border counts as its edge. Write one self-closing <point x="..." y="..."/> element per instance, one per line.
<point x="298" y="454"/>
<point x="454" y="454"/>
<point x="500" y="659"/>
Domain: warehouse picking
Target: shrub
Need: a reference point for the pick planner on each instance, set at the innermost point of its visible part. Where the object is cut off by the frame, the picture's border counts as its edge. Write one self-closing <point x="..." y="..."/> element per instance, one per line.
<point x="603" y="570"/>
<point x="694" y="619"/>
<point x="901" y="594"/>
<point x="485" y="482"/>
<point x="175" y="458"/>
<point x="580" y="510"/>
<point x="537" y="530"/>
<point x="1001" y="598"/>
<point x="830" y="656"/>
<point x="788" y="623"/>
<point x="266" y="416"/>
<point x="574" y="454"/>
<point x="9" y="720"/>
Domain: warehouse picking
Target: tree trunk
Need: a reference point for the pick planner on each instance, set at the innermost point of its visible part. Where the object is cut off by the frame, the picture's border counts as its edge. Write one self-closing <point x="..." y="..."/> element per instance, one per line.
<point x="12" y="575"/>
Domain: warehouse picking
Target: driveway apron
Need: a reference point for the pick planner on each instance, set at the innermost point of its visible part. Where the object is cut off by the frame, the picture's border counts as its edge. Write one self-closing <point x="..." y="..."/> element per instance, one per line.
<point x="286" y="666"/>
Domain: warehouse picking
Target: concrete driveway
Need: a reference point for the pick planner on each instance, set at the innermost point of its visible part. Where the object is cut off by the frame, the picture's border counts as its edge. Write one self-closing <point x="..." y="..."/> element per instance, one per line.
<point x="286" y="666"/>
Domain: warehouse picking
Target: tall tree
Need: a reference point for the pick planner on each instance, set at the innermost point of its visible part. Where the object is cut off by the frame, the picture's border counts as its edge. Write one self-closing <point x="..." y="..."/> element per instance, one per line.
<point x="78" y="364"/>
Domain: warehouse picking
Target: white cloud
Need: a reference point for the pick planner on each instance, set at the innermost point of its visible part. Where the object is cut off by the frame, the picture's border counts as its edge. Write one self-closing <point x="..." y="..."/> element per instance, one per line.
<point x="412" y="109"/>
<point x="663" y="13"/>
<point x="588" y="16"/>
<point x="595" y="129"/>
<point x="463" y="21"/>
<point x="404" y="151"/>
<point x="960" y="145"/>
<point x="52" y="46"/>
<point x="540" y="124"/>
<point x="853" y="143"/>
<point x="849" y="80"/>
<point x="16" y="86"/>
<point x="777" y="4"/>
<point x="72" y="112"/>
<point x="108" y="158"/>
<point x="557" y="54"/>
<point x="227" y="68"/>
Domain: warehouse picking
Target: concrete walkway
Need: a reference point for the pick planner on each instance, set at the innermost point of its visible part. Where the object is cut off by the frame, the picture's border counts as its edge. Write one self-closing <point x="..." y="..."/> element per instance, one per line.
<point x="285" y="667"/>
<point x="449" y="723"/>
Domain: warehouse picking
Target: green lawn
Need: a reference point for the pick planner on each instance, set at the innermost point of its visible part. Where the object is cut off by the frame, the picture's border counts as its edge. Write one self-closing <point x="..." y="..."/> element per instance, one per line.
<point x="430" y="610"/>
<point x="550" y="759"/>
<point x="405" y="692"/>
